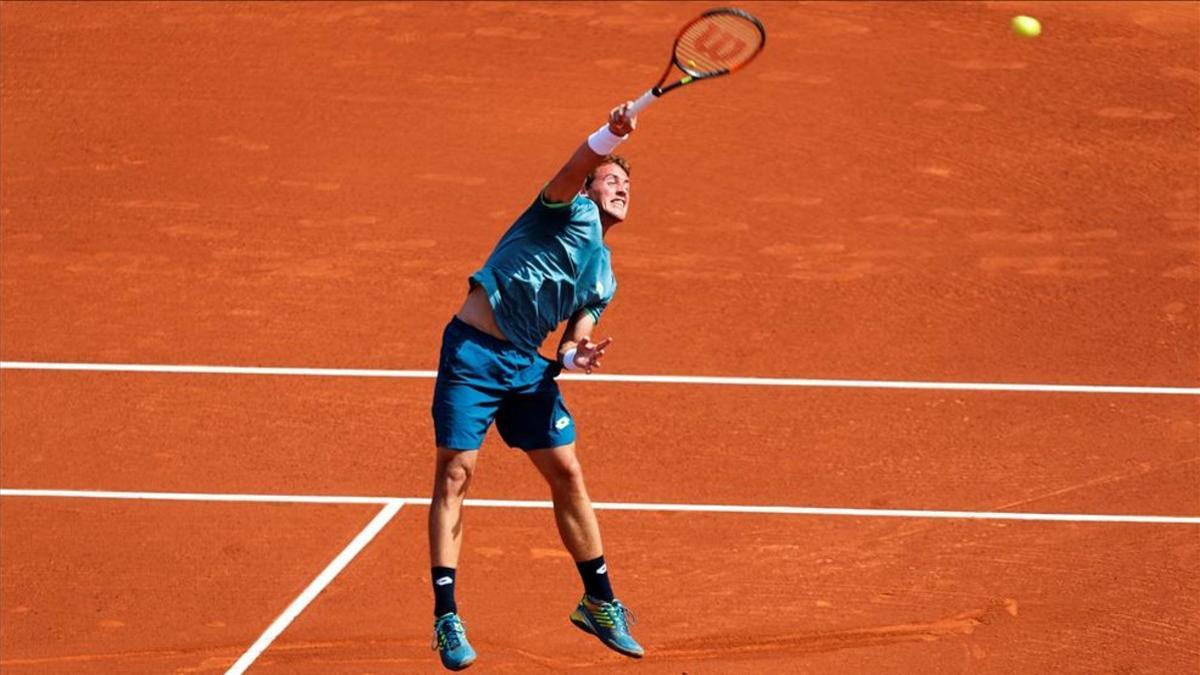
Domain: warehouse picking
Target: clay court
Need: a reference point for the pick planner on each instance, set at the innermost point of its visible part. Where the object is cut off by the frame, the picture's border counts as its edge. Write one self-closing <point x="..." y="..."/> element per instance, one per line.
<point x="921" y="297"/>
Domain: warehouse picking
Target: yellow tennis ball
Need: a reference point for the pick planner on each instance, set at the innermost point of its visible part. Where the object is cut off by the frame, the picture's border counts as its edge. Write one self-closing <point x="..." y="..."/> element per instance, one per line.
<point x="1026" y="26"/>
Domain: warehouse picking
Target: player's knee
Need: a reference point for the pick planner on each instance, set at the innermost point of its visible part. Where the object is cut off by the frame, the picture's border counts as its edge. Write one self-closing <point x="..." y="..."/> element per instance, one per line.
<point x="568" y="472"/>
<point x="454" y="477"/>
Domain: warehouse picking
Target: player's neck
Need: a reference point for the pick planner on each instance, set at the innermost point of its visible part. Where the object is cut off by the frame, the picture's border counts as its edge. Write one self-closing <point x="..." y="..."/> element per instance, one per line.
<point x="606" y="222"/>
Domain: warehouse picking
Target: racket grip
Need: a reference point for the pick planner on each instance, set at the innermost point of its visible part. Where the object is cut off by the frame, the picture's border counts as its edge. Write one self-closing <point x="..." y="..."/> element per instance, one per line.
<point x="640" y="104"/>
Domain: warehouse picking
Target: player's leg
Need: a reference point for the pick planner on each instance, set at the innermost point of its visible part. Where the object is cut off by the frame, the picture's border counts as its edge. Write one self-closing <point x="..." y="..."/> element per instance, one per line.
<point x="599" y="612"/>
<point x="452" y="478"/>
<point x="465" y="402"/>
<point x="538" y="422"/>
<point x="573" y="513"/>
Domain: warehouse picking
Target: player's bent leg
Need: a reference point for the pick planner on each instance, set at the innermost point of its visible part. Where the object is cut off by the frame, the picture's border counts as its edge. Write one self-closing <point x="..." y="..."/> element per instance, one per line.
<point x="573" y="513"/>
<point x="598" y="613"/>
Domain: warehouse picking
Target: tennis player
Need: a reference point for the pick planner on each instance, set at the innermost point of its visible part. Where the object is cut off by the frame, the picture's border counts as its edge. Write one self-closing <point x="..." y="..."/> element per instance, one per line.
<point x="551" y="266"/>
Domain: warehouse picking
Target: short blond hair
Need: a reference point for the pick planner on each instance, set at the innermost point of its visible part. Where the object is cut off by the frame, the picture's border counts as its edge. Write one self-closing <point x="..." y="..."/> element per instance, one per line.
<point x="608" y="159"/>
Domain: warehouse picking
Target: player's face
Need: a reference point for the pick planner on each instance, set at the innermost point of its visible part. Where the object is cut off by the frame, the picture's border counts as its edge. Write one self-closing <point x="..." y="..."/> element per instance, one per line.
<point x="610" y="191"/>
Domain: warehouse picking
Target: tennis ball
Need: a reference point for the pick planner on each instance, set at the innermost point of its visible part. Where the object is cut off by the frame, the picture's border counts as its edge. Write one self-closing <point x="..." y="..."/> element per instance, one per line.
<point x="1026" y="26"/>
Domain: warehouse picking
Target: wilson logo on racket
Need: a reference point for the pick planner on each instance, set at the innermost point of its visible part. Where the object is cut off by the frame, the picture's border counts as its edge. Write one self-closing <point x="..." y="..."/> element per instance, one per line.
<point x="718" y="45"/>
<point x="713" y="44"/>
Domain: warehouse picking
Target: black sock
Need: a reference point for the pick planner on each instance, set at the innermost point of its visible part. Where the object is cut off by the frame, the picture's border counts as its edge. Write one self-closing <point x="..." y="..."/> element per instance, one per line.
<point x="595" y="579"/>
<point x="443" y="591"/>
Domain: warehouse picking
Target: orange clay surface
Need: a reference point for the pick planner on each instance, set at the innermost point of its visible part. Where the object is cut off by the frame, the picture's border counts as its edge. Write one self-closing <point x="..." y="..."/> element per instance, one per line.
<point x="892" y="191"/>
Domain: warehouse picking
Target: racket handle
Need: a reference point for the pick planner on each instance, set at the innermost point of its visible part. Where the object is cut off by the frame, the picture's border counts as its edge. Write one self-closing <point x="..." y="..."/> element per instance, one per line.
<point x="640" y="104"/>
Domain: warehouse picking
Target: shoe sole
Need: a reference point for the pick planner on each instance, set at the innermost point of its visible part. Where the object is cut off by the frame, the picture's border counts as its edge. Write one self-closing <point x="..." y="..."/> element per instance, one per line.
<point x="460" y="667"/>
<point x="588" y="629"/>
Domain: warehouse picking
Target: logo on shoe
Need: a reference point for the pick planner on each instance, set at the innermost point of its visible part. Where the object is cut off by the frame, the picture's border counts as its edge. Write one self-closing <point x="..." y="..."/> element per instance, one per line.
<point x="562" y="423"/>
<point x="444" y="581"/>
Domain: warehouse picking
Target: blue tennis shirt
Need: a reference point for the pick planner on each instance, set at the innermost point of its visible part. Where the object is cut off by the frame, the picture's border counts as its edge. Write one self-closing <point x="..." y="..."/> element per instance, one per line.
<point x="549" y="265"/>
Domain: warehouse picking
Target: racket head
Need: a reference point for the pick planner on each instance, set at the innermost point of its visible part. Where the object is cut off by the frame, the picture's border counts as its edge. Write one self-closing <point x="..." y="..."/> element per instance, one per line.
<point x="718" y="42"/>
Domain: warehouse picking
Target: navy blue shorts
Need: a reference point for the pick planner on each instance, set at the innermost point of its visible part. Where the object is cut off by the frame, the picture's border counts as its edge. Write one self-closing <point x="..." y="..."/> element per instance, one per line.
<point x="481" y="379"/>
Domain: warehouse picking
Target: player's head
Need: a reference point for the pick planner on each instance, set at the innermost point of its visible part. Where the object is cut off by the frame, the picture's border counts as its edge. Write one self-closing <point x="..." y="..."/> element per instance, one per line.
<point x="608" y="186"/>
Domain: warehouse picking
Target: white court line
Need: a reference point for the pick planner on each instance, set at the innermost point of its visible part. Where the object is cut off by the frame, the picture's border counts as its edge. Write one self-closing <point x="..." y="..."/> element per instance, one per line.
<point x="622" y="506"/>
<point x="327" y="575"/>
<point x="597" y="377"/>
<point x="200" y="497"/>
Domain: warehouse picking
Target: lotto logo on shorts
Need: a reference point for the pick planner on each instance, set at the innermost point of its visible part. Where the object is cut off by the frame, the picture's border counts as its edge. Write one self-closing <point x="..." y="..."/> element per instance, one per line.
<point x="562" y="423"/>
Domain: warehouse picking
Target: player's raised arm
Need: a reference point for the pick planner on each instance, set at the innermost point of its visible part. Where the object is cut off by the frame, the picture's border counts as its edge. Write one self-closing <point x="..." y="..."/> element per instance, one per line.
<point x="569" y="179"/>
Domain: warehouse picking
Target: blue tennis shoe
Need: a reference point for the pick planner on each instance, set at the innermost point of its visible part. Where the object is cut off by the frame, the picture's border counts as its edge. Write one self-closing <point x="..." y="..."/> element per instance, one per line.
<point x="450" y="640"/>
<point x="608" y="621"/>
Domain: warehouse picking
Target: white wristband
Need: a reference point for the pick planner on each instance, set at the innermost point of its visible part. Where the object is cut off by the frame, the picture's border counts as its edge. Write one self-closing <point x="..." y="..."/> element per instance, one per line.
<point x="568" y="360"/>
<point x="603" y="141"/>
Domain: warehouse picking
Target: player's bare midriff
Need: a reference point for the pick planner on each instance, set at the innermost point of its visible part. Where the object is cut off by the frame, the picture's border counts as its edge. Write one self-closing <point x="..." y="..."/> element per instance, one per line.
<point x="476" y="312"/>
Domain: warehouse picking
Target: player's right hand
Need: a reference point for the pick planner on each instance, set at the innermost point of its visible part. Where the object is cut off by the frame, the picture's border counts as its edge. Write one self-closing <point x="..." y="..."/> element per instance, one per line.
<point x="619" y="121"/>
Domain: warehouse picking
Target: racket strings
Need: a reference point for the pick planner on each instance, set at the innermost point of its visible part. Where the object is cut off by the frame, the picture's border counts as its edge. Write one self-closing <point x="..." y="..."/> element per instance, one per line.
<point x="717" y="43"/>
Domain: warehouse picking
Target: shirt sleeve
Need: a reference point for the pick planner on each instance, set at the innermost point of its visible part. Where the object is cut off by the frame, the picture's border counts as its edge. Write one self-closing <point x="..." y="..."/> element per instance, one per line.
<point x="596" y="310"/>
<point x="552" y="206"/>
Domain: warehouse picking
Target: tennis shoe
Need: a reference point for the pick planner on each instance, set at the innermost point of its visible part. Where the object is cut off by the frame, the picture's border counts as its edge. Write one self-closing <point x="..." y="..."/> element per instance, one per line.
<point x="608" y="621"/>
<point x="450" y="641"/>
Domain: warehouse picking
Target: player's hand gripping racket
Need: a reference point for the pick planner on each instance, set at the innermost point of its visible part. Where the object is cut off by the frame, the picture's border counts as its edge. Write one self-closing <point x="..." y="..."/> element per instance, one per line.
<point x="713" y="44"/>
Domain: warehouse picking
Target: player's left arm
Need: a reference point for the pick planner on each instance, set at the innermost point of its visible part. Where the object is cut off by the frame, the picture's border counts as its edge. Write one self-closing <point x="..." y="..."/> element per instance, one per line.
<point x="577" y="337"/>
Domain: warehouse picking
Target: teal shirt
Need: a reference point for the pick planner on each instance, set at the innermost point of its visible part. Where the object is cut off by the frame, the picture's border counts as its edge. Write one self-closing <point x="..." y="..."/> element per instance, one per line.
<point x="549" y="265"/>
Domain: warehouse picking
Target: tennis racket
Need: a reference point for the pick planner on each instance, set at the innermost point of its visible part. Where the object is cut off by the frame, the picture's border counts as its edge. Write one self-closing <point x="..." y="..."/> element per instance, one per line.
<point x="716" y="43"/>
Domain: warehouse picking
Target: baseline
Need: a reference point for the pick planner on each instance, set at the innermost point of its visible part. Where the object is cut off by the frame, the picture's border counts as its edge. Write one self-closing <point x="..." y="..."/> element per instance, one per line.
<point x="620" y="506"/>
<point x="598" y="377"/>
